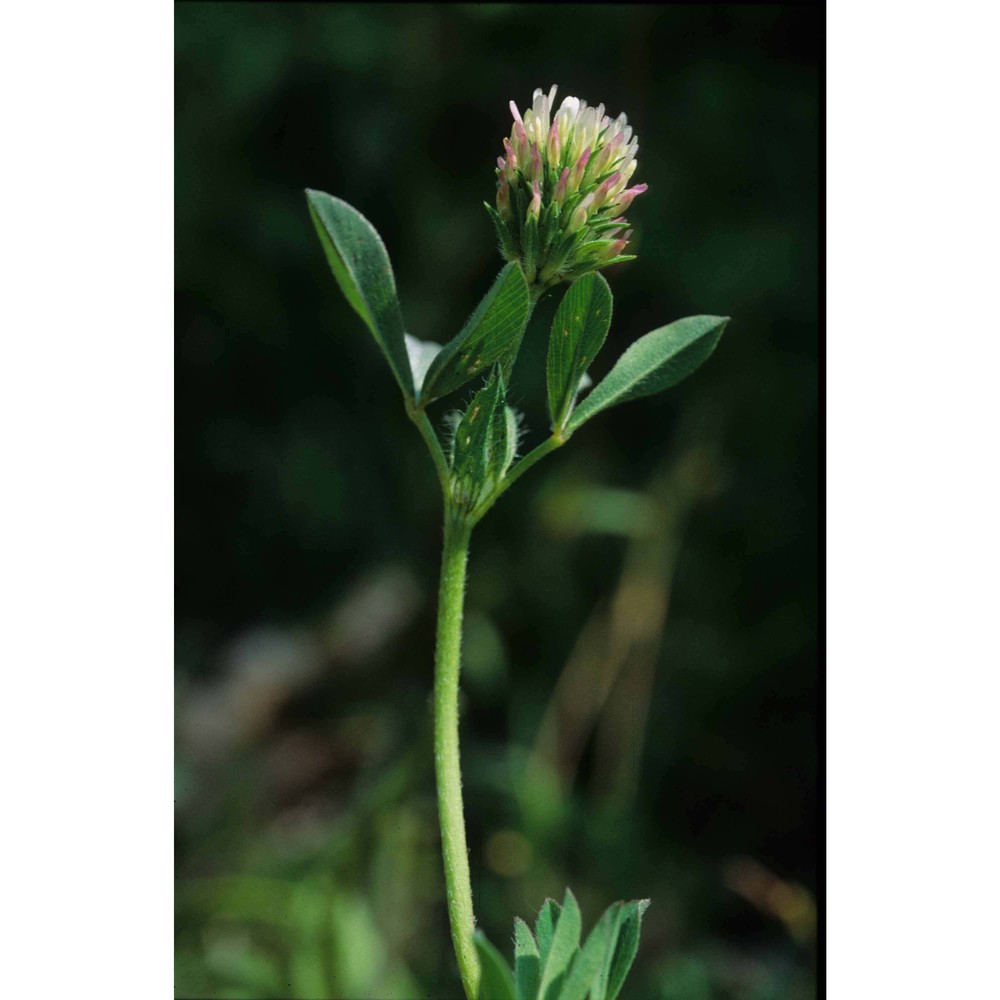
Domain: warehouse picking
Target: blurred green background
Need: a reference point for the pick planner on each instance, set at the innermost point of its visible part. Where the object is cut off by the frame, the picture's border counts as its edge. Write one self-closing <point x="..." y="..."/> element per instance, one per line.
<point x="640" y="687"/>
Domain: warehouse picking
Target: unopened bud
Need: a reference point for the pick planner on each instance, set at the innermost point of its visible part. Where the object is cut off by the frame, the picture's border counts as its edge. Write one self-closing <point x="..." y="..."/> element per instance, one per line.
<point x="601" y="194"/>
<point x="521" y="142"/>
<point x="535" y="208"/>
<point x="503" y="197"/>
<point x="579" y="217"/>
<point x="536" y="162"/>
<point x="576" y="174"/>
<point x="618" y="247"/>
<point x="626" y="198"/>
<point x="600" y="161"/>
<point x="559" y="195"/>
<point x="554" y="145"/>
<point x="511" y="158"/>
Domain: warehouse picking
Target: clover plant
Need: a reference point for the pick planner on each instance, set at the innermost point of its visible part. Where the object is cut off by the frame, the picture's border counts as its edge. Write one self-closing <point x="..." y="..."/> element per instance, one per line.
<point x="562" y="191"/>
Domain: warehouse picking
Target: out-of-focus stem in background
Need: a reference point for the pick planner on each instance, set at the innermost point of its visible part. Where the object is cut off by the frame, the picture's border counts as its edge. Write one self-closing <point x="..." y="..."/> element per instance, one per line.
<point x="604" y="688"/>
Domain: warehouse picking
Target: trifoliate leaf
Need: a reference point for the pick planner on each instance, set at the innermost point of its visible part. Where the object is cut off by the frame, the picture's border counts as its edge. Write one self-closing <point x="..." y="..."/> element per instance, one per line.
<point x="654" y="362"/>
<point x="360" y="263"/>
<point x="491" y="336"/>
<point x="578" y="331"/>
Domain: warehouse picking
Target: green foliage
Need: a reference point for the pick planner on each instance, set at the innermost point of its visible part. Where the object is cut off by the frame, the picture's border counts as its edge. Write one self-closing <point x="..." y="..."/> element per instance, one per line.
<point x="495" y="979"/>
<point x="625" y="948"/>
<point x="654" y="362"/>
<point x="484" y="444"/>
<point x="503" y="446"/>
<point x="589" y="973"/>
<point x="279" y="937"/>
<point x="360" y="263"/>
<point x="565" y="944"/>
<point x="578" y="332"/>
<point x="553" y="966"/>
<point x="492" y="335"/>
<point x="545" y="927"/>
<point x="527" y="970"/>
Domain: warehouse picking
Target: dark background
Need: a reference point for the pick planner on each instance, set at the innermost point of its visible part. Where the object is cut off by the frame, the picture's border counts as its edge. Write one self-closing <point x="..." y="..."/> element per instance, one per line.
<point x="640" y="686"/>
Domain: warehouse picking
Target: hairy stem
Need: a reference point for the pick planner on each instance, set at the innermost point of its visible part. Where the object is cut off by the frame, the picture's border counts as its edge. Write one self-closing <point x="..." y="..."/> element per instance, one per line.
<point x="420" y="418"/>
<point x="446" y="757"/>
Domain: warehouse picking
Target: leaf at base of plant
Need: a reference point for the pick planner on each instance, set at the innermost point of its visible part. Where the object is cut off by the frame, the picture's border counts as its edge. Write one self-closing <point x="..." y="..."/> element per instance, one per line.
<point x="527" y="973"/>
<point x="565" y="943"/>
<point x="626" y="946"/>
<point x="593" y="956"/>
<point x="545" y="927"/>
<point x="495" y="979"/>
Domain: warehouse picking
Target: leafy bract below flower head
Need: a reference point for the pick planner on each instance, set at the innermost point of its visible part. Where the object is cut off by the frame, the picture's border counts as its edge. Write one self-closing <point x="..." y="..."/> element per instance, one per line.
<point x="563" y="189"/>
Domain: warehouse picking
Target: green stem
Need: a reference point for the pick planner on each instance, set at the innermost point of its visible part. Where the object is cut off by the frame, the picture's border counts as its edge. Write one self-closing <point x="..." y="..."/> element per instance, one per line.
<point x="457" y="531"/>
<point x="446" y="758"/>
<point x="420" y="418"/>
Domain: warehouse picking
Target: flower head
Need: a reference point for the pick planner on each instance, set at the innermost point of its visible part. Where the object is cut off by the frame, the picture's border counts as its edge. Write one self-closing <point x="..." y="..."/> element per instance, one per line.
<point x="562" y="189"/>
